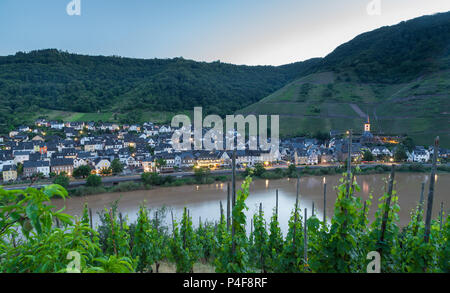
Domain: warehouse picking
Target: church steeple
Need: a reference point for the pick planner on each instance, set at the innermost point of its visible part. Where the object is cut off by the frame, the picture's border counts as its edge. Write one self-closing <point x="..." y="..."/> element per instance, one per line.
<point x="367" y="125"/>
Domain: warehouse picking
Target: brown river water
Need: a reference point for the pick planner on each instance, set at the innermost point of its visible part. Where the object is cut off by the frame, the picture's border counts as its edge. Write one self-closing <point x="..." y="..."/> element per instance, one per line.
<point x="203" y="200"/>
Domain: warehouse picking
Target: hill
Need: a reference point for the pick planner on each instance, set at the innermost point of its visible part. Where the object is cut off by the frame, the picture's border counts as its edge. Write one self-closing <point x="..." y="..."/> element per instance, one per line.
<point x="63" y="85"/>
<point x="398" y="75"/>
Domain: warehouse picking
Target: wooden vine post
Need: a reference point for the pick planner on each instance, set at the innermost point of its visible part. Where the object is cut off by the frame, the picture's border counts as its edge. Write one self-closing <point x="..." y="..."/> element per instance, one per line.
<point x="112" y="231"/>
<point x="261" y="252"/>
<point x="324" y="200"/>
<point x="233" y="179"/>
<point x="386" y="207"/>
<point x="173" y="224"/>
<point x="305" y="239"/>
<point x="420" y="209"/>
<point x="276" y="204"/>
<point x="221" y="213"/>
<point x="295" y="213"/>
<point x="90" y="218"/>
<point x="228" y="206"/>
<point x="431" y="191"/>
<point x="349" y="161"/>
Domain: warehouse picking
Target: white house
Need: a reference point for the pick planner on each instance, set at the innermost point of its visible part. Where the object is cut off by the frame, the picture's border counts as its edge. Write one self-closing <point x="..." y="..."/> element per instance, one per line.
<point x="100" y="164"/>
<point x="77" y="162"/>
<point x="421" y="155"/>
<point x="21" y="156"/>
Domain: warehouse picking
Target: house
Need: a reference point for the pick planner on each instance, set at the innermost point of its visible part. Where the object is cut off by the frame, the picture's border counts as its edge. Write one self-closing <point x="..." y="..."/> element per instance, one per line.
<point x="31" y="168"/>
<point x="40" y="122"/>
<point x="208" y="159"/>
<point x="165" y="129"/>
<point x="94" y="145"/>
<point x="100" y="164"/>
<point x="381" y="151"/>
<point x="421" y="155"/>
<point x="70" y="132"/>
<point x="6" y="158"/>
<point x="136" y="128"/>
<point x="24" y="128"/>
<point x="148" y="164"/>
<point x="300" y="157"/>
<point x="21" y="156"/>
<point x="62" y="165"/>
<point x="38" y="138"/>
<point x="56" y="125"/>
<point x="169" y="158"/>
<point x="9" y="173"/>
<point x="184" y="159"/>
<point x="326" y="156"/>
<point x="77" y="162"/>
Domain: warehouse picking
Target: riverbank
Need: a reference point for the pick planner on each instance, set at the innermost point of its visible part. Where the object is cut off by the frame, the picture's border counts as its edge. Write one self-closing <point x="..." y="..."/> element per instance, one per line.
<point x="277" y="173"/>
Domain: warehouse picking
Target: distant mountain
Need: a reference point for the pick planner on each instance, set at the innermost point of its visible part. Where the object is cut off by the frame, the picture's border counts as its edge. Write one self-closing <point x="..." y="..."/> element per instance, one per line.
<point x="398" y="75"/>
<point x="40" y="81"/>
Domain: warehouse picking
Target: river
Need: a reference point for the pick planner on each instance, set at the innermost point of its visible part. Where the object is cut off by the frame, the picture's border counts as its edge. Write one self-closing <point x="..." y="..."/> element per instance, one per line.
<point x="203" y="200"/>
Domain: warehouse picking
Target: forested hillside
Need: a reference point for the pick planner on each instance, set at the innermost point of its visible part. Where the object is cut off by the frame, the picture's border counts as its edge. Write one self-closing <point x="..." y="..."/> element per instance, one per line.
<point x="35" y="82"/>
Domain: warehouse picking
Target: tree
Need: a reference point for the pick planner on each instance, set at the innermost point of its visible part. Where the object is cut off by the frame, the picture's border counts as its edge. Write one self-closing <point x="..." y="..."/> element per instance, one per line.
<point x="116" y="166"/>
<point x="400" y="154"/>
<point x="93" y="181"/>
<point x="160" y="163"/>
<point x="292" y="170"/>
<point x="409" y="143"/>
<point x="152" y="178"/>
<point x="367" y="156"/>
<point x="62" y="179"/>
<point x="259" y="169"/>
<point x="19" y="169"/>
<point x="82" y="172"/>
<point x="201" y="174"/>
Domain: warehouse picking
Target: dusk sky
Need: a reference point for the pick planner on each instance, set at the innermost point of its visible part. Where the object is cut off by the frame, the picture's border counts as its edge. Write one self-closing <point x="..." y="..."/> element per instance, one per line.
<point x="234" y="31"/>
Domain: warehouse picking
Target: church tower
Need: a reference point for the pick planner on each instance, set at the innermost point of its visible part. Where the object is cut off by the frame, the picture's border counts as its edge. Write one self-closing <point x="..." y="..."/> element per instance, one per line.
<point x="367" y="125"/>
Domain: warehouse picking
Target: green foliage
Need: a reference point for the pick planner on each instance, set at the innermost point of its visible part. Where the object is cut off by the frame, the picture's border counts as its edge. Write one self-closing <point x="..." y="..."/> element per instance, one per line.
<point x="396" y="53"/>
<point x="93" y="181"/>
<point x="45" y="80"/>
<point x="62" y="180"/>
<point x="116" y="166"/>
<point x="32" y="240"/>
<point x="258" y="170"/>
<point x="148" y="242"/>
<point x="367" y="156"/>
<point x="184" y="245"/>
<point x="400" y="154"/>
<point x="82" y="171"/>
<point x="201" y="174"/>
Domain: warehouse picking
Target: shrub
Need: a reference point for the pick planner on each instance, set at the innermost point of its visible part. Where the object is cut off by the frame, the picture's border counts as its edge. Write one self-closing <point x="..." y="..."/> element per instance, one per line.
<point x="62" y="180"/>
<point x="93" y="181"/>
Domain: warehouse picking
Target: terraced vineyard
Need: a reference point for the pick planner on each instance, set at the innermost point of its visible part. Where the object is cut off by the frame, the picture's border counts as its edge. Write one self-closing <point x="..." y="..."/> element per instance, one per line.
<point x="329" y="100"/>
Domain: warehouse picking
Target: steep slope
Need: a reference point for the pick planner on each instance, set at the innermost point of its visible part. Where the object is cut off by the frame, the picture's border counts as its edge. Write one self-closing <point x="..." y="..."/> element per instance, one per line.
<point x="398" y="75"/>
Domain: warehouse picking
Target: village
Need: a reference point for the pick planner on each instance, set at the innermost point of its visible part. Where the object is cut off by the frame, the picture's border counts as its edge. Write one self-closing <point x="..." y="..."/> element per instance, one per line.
<point x="50" y="148"/>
